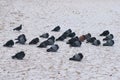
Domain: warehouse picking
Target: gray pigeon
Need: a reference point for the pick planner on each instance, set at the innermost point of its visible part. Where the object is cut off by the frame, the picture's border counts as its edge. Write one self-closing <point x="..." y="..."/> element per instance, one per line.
<point x="96" y="43"/>
<point x="53" y="48"/>
<point x="109" y="37"/>
<point x="45" y="35"/>
<point x="51" y="40"/>
<point x="109" y="43"/>
<point x="77" y="57"/>
<point x="76" y="44"/>
<point x="21" y="39"/>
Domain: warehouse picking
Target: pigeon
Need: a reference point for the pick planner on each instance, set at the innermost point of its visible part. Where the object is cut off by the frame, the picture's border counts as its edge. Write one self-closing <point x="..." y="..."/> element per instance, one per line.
<point x="43" y="44"/>
<point x="77" y="57"/>
<point x="76" y="44"/>
<point x="109" y="43"/>
<point x="52" y="37"/>
<point x="21" y="39"/>
<point x="67" y="32"/>
<point x="64" y="35"/>
<point x="91" y="40"/>
<point x="72" y="34"/>
<point x="96" y="42"/>
<point x="53" y="48"/>
<point x="45" y="35"/>
<point x="18" y="28"/>
<point x="72" y="40"/>
<point x="9" y="43"/>
<point x="87" y="36"/>
<point x="61" y="38"/>
<point x="108" y="37"/>
<point x="56" y="29"/>
<point x="82" y="38"/>
<point x="51" y="40"/>
<point x="104" y="33"/>
<point x="34" y="41"/>
<point x="20" y="55"/>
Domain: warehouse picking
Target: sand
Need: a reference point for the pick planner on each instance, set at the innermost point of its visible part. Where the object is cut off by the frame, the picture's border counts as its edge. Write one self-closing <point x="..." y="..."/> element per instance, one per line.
<point x="41" y="16"/>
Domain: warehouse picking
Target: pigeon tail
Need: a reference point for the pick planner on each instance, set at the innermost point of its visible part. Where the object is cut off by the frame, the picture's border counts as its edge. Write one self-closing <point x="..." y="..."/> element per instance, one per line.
<point x="13" y="57"/>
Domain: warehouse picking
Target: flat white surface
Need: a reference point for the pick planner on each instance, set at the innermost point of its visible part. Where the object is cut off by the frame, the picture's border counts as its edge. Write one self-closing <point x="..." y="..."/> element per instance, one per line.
<point x="40" y="16"/>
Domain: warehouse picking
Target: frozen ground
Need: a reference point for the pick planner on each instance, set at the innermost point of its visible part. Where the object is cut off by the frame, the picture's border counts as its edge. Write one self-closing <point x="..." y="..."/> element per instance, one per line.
<point x="40" y="16"/>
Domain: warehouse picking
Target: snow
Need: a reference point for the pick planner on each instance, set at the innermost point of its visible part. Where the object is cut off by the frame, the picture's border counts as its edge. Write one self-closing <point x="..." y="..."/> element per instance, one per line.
<point x="41" y="16"/>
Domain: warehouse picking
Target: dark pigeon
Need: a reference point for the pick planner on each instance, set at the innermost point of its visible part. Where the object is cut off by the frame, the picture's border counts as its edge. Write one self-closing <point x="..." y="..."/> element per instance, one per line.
<point x="52" y="37"/>
<point x="61" y="38"/>
<point x="34" y="41"/>
<point x="53" y="48"/>
<point x="87" y="36"/>
<point x="108" y="37"/>
<point x="77" y="57"/>
<point x="96" y="42"/>
<point x="18" y="28"/>
<point x="43" y="44"/>
<point x="104" y="33"/>
<point x="21" y="39"/>
<point x="56" y="29"/>
<point x="72" y="40"/>
<point x="9" y="43"/>
<point x="109" y="43"/>
<point x="67" y="32"/>
<point x="72" y="34"/>
<point x="20" y="55"/>
<point x="64" y="35"/>
<point x="91" y="40"/>
<point x="45" y="35"/>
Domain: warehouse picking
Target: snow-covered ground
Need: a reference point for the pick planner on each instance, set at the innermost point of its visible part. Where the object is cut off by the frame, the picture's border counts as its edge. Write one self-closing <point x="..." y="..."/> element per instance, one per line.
<point x="40" y="16"/>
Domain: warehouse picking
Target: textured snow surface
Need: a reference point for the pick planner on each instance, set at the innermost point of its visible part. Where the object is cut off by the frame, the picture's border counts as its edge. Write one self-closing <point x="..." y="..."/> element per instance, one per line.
<point x="41" y="16"/>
